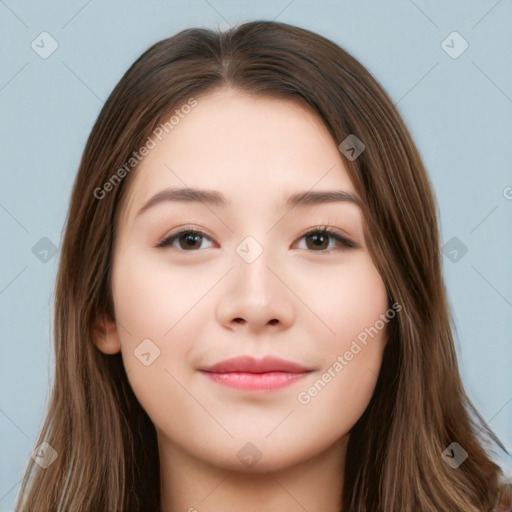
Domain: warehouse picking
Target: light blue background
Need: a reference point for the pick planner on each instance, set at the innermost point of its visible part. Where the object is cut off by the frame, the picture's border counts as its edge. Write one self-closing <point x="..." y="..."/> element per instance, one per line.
<point x="458" y="110"/>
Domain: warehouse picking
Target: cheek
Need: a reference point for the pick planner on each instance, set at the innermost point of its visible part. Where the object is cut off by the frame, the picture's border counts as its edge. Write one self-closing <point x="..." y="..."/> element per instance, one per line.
<point x="362" y="300"/>
<point x="151" y="304"/>
<point x="158" y="306"/>
<point x="140" y="300"/>
<point x="343" y="299"/>
<point x="151" y="296"/>
<point x="353" y="305"/>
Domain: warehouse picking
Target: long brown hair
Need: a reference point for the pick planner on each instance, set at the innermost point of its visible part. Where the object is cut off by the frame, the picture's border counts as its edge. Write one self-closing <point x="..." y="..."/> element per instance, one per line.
<point x="106" y="444"/>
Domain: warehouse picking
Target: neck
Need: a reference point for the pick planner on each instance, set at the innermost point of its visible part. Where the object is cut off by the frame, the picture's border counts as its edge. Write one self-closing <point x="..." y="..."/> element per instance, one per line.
<point x="193" y="485"/>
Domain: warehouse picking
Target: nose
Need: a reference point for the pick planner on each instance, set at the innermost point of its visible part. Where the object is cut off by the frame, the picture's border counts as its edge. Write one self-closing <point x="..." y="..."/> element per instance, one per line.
<point x="255" y="297"/>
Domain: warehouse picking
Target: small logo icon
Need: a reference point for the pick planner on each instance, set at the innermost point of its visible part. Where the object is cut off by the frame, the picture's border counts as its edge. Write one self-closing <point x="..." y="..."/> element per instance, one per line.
<point x="146" y="352"/>
<point x="249" y="455"/>
<point x="351" y="147"/>
<point x="44" y="250"/>
<point x="454" y="45"/>
<point x="44" y="45"/>
<point x="249" y="249"/>
<point x="454" y="455"/>
<point x="454" y="249"/>
<point x="44" y="455"/>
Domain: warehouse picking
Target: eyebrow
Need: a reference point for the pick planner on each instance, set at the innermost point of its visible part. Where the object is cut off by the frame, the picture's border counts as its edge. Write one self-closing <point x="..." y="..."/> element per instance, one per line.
<point x="215" y="198"/>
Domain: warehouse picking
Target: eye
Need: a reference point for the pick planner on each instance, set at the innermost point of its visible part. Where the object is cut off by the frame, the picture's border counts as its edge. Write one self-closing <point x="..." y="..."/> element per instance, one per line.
<point x="187" y="240"/>
<point x="324" y="240"/>
<point x="319" y="239"/>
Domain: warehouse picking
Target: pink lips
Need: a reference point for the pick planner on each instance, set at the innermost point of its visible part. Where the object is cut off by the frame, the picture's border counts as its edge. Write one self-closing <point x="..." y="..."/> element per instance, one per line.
<point x="247" y="373"/>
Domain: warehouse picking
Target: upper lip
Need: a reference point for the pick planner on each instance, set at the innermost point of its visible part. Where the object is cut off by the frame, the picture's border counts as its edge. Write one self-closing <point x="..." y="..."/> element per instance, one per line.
<point x="249" y="364"/>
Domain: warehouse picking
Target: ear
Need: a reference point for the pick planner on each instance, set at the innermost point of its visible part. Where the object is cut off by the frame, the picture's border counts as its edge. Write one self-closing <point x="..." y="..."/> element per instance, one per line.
<point x="106" y="337"/>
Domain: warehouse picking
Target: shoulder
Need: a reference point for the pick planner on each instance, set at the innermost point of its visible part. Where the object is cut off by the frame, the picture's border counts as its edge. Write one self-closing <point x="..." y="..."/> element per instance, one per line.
<point x="503" y="499"/>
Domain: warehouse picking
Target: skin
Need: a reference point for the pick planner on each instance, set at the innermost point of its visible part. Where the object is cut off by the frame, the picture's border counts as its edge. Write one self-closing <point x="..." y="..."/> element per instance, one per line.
<point x="200" y="306"/>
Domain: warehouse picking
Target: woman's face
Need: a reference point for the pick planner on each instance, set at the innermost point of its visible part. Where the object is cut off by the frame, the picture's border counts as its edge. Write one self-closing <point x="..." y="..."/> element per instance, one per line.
<point x="247" y="280"/>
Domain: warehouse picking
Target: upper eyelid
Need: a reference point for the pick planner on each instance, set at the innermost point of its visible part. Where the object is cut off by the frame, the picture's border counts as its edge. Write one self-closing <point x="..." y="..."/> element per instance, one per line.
<point x="332" y="232"/>
<point x="180" y="232"/>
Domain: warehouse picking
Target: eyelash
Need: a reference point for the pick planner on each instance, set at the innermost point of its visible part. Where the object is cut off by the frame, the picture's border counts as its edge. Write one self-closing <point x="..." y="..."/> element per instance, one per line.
<point x="322" y="230"/>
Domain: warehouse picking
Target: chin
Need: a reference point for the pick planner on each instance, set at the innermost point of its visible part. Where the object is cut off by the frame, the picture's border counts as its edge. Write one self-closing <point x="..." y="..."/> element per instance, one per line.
<point x="254" y="457"/>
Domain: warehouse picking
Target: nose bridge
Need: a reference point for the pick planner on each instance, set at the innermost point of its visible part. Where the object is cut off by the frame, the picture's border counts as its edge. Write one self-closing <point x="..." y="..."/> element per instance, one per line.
<point x="255" y="283"/>
<point x="255" y="295"/>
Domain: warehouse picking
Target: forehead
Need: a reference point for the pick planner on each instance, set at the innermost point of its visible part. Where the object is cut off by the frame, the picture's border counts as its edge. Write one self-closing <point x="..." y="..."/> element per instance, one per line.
<point x="250" y="148"/>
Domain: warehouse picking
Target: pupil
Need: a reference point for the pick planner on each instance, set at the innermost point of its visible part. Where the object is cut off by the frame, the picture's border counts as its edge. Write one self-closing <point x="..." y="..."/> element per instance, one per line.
<point x="318" y="240"/>
<point x="191" y="239"/>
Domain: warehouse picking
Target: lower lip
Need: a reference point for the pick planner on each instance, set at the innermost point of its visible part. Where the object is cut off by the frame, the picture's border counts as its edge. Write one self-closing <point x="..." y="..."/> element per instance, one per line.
<point x="256" y="381"/>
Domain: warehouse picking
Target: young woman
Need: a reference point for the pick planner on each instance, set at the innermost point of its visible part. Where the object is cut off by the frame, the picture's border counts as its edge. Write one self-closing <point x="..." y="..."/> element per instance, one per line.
<point x="250" y="313"/>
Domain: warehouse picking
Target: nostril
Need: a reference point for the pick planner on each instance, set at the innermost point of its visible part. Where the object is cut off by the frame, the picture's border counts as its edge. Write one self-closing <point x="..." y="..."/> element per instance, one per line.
<point x="273" y="321"/>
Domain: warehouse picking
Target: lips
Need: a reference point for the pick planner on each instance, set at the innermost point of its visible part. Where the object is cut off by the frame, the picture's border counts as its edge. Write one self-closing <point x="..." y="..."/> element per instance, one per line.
<point x="247" y="373"/>
<point x="248" y="364"/>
